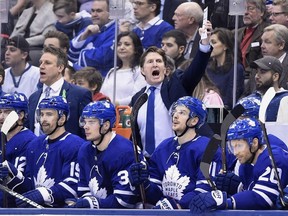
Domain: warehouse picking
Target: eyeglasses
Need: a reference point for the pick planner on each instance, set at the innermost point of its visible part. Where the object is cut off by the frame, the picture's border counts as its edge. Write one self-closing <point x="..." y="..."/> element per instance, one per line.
<point x="277" y="13"/>
<point x="138" y="3"/>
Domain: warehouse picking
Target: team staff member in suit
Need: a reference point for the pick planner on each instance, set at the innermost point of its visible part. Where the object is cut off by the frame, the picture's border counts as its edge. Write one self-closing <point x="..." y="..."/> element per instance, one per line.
<point x="52" y="65"/>
<point x="153" y="68"/>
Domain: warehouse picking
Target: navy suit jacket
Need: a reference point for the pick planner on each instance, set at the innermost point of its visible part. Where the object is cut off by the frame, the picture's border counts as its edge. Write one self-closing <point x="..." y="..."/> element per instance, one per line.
<point x="76" y="96"/>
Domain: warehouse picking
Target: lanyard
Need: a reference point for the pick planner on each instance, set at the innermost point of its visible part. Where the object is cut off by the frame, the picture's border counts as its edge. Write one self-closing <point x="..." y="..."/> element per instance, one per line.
<point x="16" y="84"/>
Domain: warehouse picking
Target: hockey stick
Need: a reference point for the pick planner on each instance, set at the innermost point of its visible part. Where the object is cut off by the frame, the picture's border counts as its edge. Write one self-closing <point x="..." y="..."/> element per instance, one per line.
<point x="269" y="95"/>
<point x="8" y="123"/>
<point x="273" y="163"/>
<point x="10" y="120"/>
<point x="208" y="157"/>
<point x="136" y="137"/>
<point x="19" y="196"/>
<point x="237" y="111"/>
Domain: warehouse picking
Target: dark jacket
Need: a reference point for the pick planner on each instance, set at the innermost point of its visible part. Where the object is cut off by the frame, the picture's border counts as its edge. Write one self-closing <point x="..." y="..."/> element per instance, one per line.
<point x="76" y="96"/>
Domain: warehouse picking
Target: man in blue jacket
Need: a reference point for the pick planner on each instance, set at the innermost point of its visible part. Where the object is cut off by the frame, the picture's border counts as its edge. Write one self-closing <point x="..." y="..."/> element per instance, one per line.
<point x="52" y="65"/>
<point x="94" y="46"/>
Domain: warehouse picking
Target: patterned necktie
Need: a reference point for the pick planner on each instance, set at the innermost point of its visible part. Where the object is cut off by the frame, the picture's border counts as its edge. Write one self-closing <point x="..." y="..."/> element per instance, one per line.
<point x="47" y="92"/>
<point x="150" y="121"/>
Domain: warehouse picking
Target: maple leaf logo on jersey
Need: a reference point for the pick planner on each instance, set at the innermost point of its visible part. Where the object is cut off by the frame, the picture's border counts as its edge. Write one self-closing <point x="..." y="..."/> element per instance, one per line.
<point x="95" y="190"/>
<point x="173" y="185"/>
<point x="41" y="180"/>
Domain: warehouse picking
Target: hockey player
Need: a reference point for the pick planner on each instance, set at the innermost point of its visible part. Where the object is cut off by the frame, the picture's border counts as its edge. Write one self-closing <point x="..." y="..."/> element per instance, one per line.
<point x="104" y="161"/>
<point x="260" y="189"/>
<point x="52" y="168"/>
<point x="18" y="138"/>
<point x="174" y="171"/>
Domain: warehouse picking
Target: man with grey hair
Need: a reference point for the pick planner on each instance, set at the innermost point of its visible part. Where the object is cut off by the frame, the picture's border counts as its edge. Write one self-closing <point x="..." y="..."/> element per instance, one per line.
<point x="275" y="43"/>
<point x="187" y="18"/>
<point x="279" y="12"/>
<point x="249" y="36"/>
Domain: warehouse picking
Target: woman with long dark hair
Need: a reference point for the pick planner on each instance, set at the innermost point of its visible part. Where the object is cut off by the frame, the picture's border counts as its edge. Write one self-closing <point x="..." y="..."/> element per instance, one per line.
<point x="129" y="79"/>
<point x="220" y="70"/>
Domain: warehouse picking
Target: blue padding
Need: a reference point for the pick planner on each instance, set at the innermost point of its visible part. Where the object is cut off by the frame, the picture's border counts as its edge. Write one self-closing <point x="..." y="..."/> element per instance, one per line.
<point x="133" y="212"/>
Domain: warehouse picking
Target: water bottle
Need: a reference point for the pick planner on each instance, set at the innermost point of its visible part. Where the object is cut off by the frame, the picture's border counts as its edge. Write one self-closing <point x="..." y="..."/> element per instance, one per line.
<point x="126" y="121"/>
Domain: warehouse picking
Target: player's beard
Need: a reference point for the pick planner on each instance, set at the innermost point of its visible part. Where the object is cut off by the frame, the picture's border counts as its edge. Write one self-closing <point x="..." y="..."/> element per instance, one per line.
<point x="264" y="86"/>
<point x="48" y="128"/>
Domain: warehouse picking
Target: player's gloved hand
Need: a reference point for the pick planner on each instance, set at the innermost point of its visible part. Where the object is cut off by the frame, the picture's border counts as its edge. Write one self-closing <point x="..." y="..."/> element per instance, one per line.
<point x="279" y="204"/>
<point x="167" y="203"/>
<point x="7" y="168"/>
<point x="209" y="201"/>
<point x="86" y="202"/>
<point x="138" y="173"/>
<point x="4" y="172"/>
<point x="33" y="195"/>
<point x="228" y="182"/>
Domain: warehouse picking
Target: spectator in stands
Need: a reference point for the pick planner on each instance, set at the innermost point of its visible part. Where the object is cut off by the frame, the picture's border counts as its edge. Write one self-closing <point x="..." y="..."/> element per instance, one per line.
<point x="187" y="18"/>
<point x="275" y="43"/>
<point x="69" y="74"/>
<point x="249" y="36"/>
<point x="279" y="12"/>
<point x="15" y="9"/>
<point x="206" y="91"/>
<point x="150" y="28"/>
<point x="174" y="44"/>
<point x="128" y="21"/>
<point x="170" y="66"/>
<point x="35" y="22"/>
<point x="129" y="79"/>
<point x="57" y="39"/>
<point x="91" y="79"/>
<point x="68" y="20"/>
<point x="85" y="5"/>
<point x="94" y="46"/>
<point x="21" y="76"/>
<point x="221" y="69"/>
<point x="165" y="91"/>
<point x="52" y="65"/>
<point x="2" y="77"/>
<point x="274" y="103"/>
<point x="167" y="9"/>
